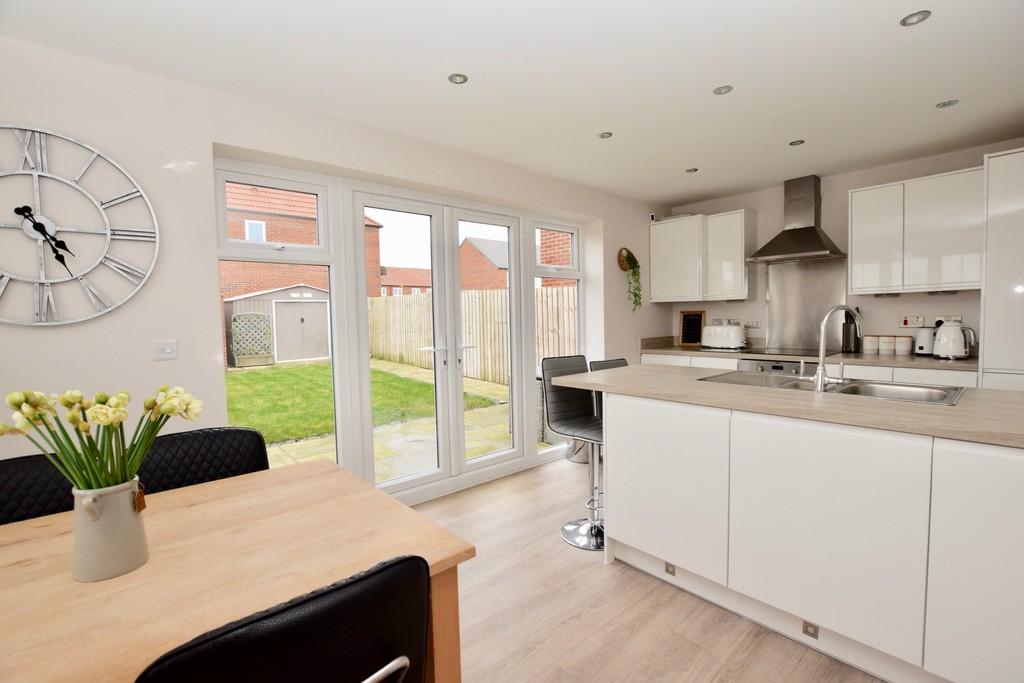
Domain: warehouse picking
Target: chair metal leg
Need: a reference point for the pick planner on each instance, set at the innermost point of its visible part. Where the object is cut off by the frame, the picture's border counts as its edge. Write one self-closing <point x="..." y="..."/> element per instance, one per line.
<point x="588" y="534"/>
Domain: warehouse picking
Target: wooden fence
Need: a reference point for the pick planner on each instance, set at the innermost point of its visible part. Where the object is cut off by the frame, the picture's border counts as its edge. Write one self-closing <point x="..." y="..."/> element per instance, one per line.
<point x="401" y="329"/>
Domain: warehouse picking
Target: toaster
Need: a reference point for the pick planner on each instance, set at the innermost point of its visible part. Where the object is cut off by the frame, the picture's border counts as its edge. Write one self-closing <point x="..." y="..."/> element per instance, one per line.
<point x="731" y="335"/>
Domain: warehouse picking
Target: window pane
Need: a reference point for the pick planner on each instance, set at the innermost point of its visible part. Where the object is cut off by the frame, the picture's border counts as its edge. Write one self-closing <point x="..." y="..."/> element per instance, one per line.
<point x="277" y="346"/>
<point x="288" y="217"/>
<point x="554" y="247"/>
<point x="557" y="318"/>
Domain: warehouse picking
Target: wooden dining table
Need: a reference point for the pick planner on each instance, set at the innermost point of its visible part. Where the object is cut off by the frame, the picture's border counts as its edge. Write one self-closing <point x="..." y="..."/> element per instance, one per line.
<point x="217" y="552"/>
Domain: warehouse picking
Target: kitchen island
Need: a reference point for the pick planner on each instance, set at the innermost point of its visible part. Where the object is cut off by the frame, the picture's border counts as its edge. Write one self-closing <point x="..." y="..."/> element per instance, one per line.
<point x="887" y="534"/>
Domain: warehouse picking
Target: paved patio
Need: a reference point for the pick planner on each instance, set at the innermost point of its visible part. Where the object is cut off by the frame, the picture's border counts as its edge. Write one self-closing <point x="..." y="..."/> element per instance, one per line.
<point x="404" y="448"/>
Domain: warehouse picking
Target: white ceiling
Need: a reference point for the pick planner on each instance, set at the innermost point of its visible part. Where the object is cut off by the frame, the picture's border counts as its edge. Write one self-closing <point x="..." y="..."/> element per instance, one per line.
<point x="546" y="76"/>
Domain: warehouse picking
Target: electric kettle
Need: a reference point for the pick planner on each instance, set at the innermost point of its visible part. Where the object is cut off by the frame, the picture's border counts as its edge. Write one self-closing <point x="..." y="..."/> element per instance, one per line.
<point x="953" y="340"/>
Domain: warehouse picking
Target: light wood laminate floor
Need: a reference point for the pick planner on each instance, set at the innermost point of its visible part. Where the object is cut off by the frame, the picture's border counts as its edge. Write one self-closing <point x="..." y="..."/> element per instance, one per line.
<point x="536" y="609"/>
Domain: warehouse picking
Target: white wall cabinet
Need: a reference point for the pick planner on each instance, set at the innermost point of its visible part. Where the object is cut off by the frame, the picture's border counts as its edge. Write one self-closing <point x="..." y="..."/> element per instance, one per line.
<point x="943" y="231"/>
<point x="664" y="359"/>
<point x="925" y="234"/>
<point x="976" y="562"/>
<point x="667" y="481"/>
<point x="830" y="523"/>
<point x="677" y="254"/>
<point x="727" y="244"/>
<point x="1003" y="295"/>
<point x="876" y="239"/>
<point x="695" y="258"/>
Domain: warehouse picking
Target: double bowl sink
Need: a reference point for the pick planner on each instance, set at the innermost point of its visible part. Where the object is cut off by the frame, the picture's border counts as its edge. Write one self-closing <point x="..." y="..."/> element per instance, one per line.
<point x="891" y="391"/>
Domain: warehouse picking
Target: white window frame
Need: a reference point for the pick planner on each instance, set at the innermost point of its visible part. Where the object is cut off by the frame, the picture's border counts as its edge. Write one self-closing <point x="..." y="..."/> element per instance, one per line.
<point x="261" y="225"/>
<point x="565" y="272"/>
<point x="244" y="250"/>
<point x="396" y="291"/>
<point x="383" y="291"/>
<point x="416" y="290"/>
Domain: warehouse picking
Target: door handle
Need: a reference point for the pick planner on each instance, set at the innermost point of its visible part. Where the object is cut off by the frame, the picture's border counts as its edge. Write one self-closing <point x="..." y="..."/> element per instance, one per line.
<point x="436" y="350"/>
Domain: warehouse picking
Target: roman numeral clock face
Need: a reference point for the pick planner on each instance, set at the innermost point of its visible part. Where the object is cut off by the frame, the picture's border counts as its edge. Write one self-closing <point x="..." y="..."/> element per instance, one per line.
<point x="78" y="236"/>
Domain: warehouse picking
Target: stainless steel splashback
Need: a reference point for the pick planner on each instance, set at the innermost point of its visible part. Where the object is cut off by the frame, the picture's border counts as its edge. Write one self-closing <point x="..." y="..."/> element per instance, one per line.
<point x="799" y="295"/>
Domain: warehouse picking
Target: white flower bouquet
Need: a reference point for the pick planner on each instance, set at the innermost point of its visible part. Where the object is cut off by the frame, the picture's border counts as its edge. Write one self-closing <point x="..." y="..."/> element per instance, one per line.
<point x="91" y="450"/>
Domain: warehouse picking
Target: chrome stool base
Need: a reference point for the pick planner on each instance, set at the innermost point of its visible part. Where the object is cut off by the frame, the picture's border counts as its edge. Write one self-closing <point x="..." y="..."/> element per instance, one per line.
<point x="584" y="534"/>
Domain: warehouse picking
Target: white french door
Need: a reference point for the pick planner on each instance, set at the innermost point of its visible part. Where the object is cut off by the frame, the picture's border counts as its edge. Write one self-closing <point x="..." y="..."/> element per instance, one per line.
<point x="441" y="317"/>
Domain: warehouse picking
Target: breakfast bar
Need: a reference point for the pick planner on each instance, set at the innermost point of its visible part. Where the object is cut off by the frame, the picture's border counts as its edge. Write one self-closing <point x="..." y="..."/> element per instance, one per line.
<point x="885" y="533"/>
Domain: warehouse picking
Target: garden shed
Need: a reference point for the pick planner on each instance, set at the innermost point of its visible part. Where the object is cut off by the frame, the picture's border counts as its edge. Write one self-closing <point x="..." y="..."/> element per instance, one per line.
<point x="278" y="325"/>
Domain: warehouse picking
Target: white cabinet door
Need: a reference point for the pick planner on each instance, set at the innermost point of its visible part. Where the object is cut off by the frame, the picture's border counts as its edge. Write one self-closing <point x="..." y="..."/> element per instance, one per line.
<point x="943" y="231"/>
<point x="830" y="524"/>
<point x="976" y="562"/>
<point x="956" y="378"/>
<point x="726" y="256"/>
<point x="876" y="239"/>
<point x="1003" y="380"/>
<point x="667" y="481"/>
<point x="873" y="373"/>
<point x="713" y="362"/>
<point x="677" y="246"/>
<point x="1004" y="264"/>
<point x="664" y="359"/>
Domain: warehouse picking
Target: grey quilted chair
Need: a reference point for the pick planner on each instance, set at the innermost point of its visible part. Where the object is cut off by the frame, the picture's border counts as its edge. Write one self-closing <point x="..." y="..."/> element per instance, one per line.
<point x="596" y="365"/>
<point x="202" y="455"/>
<point x="570" y="412"/>
<point x="31" y="487"/>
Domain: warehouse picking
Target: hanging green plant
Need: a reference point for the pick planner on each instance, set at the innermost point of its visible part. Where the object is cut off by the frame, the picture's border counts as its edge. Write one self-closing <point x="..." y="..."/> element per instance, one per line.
<point x="628" y="263"/>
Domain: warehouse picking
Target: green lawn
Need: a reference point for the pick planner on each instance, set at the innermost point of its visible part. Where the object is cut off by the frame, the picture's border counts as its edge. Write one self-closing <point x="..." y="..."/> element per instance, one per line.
<point x="296" y="401"/>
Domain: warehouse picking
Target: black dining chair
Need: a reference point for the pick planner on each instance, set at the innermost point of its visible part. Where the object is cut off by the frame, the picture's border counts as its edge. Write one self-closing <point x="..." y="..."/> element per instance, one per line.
<point x="202" y="455"/>
<point x="31" y="487"/>
<point x="370" y="628"/>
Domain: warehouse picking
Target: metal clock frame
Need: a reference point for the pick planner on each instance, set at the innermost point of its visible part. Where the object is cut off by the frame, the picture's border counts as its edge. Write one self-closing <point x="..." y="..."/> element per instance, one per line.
<point x="42" y="171"/>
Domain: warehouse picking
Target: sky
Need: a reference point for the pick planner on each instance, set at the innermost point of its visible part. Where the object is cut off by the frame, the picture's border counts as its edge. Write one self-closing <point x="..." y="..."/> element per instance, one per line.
<point x="405" y="237"/>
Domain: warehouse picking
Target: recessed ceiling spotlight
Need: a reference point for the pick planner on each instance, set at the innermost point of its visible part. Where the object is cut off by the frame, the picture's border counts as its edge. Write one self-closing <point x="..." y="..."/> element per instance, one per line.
<point x="795" y="143"/>
<point x="458" y="79"/>
<point x="722" y="90"/>
<point x="915" y="18"/>
<point x="692" y="170"/>
<point x="605" y="134"/>
<point x="946" y="104"/>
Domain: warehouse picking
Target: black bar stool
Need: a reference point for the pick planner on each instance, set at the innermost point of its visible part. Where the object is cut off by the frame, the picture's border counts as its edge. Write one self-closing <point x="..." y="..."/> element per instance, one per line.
<point x="571" y="413"/>
<point x="596" y="365"/>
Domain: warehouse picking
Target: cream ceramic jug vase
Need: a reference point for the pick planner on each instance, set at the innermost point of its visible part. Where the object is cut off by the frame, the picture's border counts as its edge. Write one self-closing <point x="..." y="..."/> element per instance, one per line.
<point x="110" y="538"/>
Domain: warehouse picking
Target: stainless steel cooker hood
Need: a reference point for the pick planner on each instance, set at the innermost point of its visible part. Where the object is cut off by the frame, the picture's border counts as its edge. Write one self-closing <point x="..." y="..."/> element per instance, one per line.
<point x="802" y="238"/>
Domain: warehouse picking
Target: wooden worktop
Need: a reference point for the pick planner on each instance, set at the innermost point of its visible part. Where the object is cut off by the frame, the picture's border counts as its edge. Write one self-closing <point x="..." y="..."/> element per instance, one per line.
<point x="982" y="415"/>
<point x="880" y="360"/>
<point x="218" y="552"/>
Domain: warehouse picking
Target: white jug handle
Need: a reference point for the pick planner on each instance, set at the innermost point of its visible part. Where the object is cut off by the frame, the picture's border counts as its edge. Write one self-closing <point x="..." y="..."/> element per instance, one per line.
<point x="90" y="504"/>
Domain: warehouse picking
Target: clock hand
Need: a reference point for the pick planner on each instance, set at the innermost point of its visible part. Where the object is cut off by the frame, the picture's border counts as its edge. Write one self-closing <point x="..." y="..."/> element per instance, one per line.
<point x="26" y="212"/>
<point x="57" y="256"/>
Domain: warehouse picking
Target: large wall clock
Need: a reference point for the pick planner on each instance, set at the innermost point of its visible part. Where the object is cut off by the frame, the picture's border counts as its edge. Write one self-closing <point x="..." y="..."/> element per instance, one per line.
<point x="78" y="236"/>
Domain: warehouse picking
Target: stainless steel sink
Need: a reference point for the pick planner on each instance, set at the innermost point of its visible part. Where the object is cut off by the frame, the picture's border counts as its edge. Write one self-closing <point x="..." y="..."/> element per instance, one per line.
<point x="890" y="391"/>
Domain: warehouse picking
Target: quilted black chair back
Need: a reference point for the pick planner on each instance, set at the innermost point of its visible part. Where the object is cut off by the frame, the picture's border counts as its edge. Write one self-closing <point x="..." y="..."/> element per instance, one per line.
<point x="202" y="455"/>
<point x="32" y="487"/>
<point x="372" y="623"/>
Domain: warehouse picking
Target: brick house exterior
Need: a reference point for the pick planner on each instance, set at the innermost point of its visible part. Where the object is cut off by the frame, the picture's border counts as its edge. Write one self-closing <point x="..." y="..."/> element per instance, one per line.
<point x="407" y="280"/>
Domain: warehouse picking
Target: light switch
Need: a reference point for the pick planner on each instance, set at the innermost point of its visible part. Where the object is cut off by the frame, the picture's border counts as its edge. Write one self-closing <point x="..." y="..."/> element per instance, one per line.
<point x="165" y="349"/>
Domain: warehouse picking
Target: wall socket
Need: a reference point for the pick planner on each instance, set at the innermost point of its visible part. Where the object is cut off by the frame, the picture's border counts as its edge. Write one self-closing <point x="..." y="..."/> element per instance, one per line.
<point x="670" y="569"/>
<point x="752" y="324"/>
<point x="911" y="321"/>
<point x="949" y="318"/>
<point x="811" y="630"/>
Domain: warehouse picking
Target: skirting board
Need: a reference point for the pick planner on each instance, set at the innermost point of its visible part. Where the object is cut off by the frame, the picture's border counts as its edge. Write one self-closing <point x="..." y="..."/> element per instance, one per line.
<point x="834" y="645"/>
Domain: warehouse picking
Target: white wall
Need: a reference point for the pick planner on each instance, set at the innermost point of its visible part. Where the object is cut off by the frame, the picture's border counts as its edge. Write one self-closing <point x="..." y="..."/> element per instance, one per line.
<point x="880" y="314"/>
<point x="147" y="123"/>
